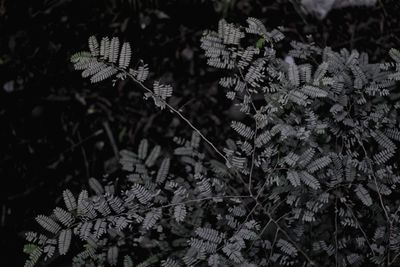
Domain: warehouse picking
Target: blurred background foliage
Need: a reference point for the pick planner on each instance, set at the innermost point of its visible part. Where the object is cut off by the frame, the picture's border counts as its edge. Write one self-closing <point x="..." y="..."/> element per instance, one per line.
<point x="56" y="130"/>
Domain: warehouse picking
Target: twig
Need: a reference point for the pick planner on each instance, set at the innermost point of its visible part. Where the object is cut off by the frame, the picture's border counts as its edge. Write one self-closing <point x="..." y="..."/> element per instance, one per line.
<point x="389" y="222"/>
<point x="298" y="11"/>
<point x="266" y="180"/>
<point x="111" y="138"/>
<point x="273" y="244"/>
<point x="247" y="217"/>
<point x="255" y="132"/>
<point x="336" y="234"/>
<point x="84" y="157"/>
<point x="84" y="140"/>
<point x="383" y="8"/>
<point x="177" y="112"/>
<point x="394" y="215"/>
<point x="394" y="259"/>
<point x="305" y="255"/>
<point x="360" y="228"/>
<point x="74" y="146"/>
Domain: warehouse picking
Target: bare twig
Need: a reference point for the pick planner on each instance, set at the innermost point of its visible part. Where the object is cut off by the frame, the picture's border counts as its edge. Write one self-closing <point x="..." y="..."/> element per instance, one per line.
<point x="255" y="133"/>
<point x="273" y="244"/>
<point x="84" y="156"/>
<point x="111" y="138"/>
<point x="336" y="234"/>
<point x="177" y="112"/>
<point x="360" y="228"/>
<point x="383" y="8"/>
<point x="276" y="222"/>
<point x="388" y="221"/>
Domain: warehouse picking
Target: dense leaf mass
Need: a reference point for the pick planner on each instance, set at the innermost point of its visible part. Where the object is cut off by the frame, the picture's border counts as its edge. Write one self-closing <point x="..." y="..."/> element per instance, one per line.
<point x="313" y="161"/>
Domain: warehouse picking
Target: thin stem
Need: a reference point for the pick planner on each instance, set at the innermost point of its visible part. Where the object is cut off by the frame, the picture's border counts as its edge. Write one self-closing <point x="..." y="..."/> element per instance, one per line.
<point x="247" y="217"/>
<point x="360" y="228"/>
<point x="336" y="234"/>
<point x="266" y="180"/>
<point x="394" y="259"/>
<point x="111" y="138"/>
<point x="305" y="255"/>
<point x="394" y="215"/>
<point x="84" y="156"/>
<point x="252" y="159"/>
<point x="177" y="112"/>
<point x="273" y="244"/>
<point x="389" y="222"/>
<point x="195" y="200"/>
<point x="255" y="132"/>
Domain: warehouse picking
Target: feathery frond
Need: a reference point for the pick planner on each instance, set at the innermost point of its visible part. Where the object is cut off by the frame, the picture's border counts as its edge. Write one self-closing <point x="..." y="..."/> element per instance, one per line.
<point x="64" y="241"/>
<point x="363" y="195"/>
<point x="48" y="224"/>
<point x="125" y="56"/>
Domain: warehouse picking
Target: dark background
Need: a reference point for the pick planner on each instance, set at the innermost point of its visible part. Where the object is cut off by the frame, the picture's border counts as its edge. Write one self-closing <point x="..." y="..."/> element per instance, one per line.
<point x="57" y="130"/>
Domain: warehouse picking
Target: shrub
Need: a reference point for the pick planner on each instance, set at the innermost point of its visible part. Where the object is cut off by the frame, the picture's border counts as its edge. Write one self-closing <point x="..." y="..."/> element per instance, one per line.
<point x="310" y="176"/>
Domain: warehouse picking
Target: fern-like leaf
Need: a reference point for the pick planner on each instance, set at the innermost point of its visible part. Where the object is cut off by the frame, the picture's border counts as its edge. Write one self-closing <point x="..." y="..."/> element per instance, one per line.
<point x="320" y="73"/>
<point x="233" y="252"/>
<point x="94" y="46"/>
<point x="309" y="180"/>
<point x="293" y="178"/>
<point x="142" y="194"/>
<point x="105" y="48"/>
<point x="63" y="216"/>
<point x="383" y="140"/>
<point x="209" y="234"/>
<point x="363" y="195"/>
<point x="170" y="263"/>
<point x="313" y="91"/>
<point x="141" y="73"/>
<point x="287" y="247"/>
<point x="383" y="156"/>
<point x="229" y="33"/>
<point x="69" y="200"/>
<point x="114" y="50"/>
<point x="395" y="54"/>
<point x="128" y="262"/>
<point x="48" y="224"/>
<point x="293" y="75"/>
<point x="255" y="26"/>
<point x="393" y="134"/>
<point x="163" y="171"/>
<point x="319" y="164"/>
<point x="125" y="56"/>
<point x="180" y="212"/>
<point x="151" y="159"/>
<point x="161" y="93"/>
<point x="96" y="186"/>
<point x="151" y="218"/>
<point x="103" y="74"/>
<point x="85" y="230"/>
<point x="143" y="148"/>
<point x="64" y="241"/>
<point x="112" y="255"/>
<point x="34" y="257"/>
<point x="298" y="97"/>
<point x="242" y="129"/>
<point x="86" y="208"/>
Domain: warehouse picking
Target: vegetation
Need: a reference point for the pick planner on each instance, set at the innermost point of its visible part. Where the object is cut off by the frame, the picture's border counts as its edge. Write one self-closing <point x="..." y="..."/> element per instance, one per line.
<point x="268" y="136"/>
<point x="312" y="162"/>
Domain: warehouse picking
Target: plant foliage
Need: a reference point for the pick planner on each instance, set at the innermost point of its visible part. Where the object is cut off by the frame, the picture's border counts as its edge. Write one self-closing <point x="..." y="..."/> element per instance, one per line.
<point x="310" y="175"/>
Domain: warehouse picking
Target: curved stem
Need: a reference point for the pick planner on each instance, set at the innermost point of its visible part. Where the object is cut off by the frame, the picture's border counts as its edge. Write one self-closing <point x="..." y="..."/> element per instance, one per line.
<point x="177" y="112"/>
